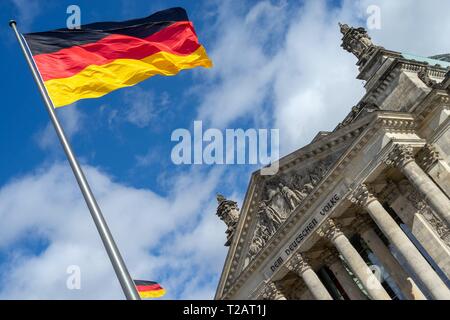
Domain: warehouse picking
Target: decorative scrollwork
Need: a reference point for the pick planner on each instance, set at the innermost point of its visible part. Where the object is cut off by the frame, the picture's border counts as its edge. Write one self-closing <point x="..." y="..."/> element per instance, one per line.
<point x="427" y="157"/>
<point x="362" y="196"/>
<point x="330" y="230"/>
<point x="400" y="156"/>
<point x="298" y="263"/>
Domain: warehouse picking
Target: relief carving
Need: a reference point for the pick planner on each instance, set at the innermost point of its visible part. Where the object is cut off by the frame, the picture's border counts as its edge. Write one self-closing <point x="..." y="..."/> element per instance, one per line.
<point x="280" y="196"/>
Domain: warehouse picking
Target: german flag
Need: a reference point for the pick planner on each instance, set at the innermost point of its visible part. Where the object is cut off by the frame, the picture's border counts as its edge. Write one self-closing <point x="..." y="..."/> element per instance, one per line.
<point x="101" y="57"/>
<point x="149" y="289"/>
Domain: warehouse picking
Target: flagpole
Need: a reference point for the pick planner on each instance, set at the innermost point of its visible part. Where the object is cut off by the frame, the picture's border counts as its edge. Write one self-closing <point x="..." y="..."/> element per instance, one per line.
<point x="119" y="266"/>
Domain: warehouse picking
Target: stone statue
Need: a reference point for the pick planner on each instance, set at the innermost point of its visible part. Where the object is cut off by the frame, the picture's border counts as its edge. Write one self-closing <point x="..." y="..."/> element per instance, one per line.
<point x="228" y="212"/>
<point x="269" y="217"/>
<point x="260" y="237"/>
<point x="291" y="197"/>
<point x="308" y="187"/>
<point x="356" y="40"/>
<point x="256" y="246"/>
<point x="301" y="194"/>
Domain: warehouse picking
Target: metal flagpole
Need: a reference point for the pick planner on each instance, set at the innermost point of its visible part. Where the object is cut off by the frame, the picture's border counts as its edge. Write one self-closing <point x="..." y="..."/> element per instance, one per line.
<point x="125" y="280"/>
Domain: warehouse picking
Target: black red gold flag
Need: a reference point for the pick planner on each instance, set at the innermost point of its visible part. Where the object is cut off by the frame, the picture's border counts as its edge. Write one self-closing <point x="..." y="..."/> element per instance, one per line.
<point x="149" y="289"/>
<point x="101" y="57"/>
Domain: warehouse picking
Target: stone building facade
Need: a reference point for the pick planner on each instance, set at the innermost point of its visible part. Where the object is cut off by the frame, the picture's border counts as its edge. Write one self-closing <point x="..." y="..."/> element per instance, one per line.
<point x="362" y="212"/>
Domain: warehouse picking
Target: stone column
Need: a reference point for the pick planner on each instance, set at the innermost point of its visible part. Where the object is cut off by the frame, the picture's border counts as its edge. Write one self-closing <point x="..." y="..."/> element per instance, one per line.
<point x="300" y="266"/>
<point x="398" y="238"/>
<point x="272" y="292"/>
<point x="402" y="157"/>
<point x="405" y="283"/>
<point x="336" y="266"/>
<point x="356" y="263"/>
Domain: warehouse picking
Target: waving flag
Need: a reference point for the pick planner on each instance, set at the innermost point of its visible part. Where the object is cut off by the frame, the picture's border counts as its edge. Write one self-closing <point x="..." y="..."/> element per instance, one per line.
<point x="149" y="289"/>
<point x="101" y="57"/>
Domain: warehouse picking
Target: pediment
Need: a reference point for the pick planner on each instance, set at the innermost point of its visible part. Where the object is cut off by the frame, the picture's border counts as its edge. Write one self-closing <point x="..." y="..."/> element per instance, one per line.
<point x="270" y="200"/>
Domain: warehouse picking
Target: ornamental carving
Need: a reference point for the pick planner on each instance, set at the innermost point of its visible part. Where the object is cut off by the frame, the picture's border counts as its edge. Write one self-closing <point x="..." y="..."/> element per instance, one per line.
<point x="298" y="263"/>
<point x="280" y="197"/>
<point x="419" y="203"/>
<point x="356" y="41"/>
<point x="362" y="196"/>
<point x="427" y="157"/>
<point x="400" y="156"/>
<point x="329" y="230"/>
<point x="271" y="292"/>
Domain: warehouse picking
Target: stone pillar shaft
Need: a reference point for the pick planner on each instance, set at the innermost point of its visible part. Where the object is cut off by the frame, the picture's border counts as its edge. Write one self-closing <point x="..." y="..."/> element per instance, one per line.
<point x="354" y="261"/>
<point x="350" y="287"/>
<point x="360" y="268"/>
<point x="413" y="257"/>
<point x="315" y="285"/>
<point x="404" y="282"/>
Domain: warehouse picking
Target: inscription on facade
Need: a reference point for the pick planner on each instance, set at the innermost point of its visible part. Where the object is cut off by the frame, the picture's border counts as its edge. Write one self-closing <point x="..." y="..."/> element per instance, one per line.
<point x="324" y="210"/>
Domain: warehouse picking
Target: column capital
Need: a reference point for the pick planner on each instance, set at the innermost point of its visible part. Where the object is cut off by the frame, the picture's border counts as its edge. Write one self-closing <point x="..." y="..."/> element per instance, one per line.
<point x="428" y="156"/>
<point x="362" y="196"/>
<point x="271" y="292"/>
<point x="401" y="155"/>
<point x="298" y="263"/>
<point x="330" y="230"/>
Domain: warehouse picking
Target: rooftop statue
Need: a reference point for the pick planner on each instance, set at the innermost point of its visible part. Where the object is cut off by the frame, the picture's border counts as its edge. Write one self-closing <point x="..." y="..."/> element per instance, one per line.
<point x="356" y="40"/>
<point x="228" y="212"/>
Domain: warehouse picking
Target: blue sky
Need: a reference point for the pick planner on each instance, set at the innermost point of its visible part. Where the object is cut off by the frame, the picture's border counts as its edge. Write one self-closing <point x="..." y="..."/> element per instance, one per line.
<point x="277" y="64"/>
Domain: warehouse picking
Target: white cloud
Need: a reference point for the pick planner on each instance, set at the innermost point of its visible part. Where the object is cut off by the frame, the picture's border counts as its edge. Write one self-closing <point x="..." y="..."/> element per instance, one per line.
<point x="139" y="106"/>
<point x="158" y="236"/>
<point x="314" y="86"/>
<point x="242" y="68"/>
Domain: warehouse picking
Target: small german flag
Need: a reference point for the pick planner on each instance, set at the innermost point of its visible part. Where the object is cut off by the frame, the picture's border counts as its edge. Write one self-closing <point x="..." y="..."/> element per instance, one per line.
<point x="149" y="289"/>
<point x="101" y="57"/>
